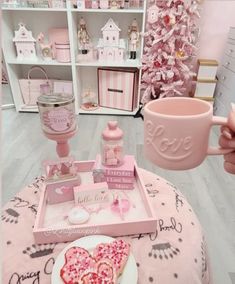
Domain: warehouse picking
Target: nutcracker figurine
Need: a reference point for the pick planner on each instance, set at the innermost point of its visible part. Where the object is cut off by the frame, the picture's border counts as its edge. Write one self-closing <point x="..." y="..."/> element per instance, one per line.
<point x="83" y="36"/>
<point x="133" y="38"/>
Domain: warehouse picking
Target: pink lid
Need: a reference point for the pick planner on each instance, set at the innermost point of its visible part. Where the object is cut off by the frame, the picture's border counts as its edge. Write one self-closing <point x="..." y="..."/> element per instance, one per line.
<point x="112" y="131"/>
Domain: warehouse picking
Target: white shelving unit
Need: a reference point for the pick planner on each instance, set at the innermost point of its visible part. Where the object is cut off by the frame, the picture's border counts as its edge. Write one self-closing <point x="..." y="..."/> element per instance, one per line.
<point x="83" y="75"/>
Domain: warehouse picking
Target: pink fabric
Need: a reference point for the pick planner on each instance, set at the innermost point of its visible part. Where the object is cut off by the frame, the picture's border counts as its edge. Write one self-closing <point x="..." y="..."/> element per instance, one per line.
<point x="175" y="253"/>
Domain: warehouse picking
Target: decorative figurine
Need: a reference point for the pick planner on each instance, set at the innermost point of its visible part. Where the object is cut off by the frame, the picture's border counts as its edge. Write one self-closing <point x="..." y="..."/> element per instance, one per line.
<point x="122" y="4"/>
<point x="11" y="3"/>
<point x="94" y="4"/>
<point x="126" y="4"/>
<point x="80" y="4"/>
<point x="114" y="4"/>
<point x="83" y="36"/>
<point x="57" y="4"/>
<point x="133" y="38"/>
<point x="89" y="100"/>
<point x="111" y="47"/>
<point x="104" y="4"/>
<point x="46" y="48"/>
<point x="38" y="3"/>
<point x="25" y="43"/>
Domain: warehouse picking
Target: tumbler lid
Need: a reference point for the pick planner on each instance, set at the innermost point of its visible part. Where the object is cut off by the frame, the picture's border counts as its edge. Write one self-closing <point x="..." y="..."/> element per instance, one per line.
<point x="54" y="100"/>
<point x="112" y="131"/>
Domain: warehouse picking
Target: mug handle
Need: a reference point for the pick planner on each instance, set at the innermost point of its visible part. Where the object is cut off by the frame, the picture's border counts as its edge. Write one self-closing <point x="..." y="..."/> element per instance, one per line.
<point x="219" y="120"/>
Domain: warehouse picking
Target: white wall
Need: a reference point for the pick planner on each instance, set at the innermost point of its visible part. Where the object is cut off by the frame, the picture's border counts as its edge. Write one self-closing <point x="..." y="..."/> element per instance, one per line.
<point x="216" y="18"/>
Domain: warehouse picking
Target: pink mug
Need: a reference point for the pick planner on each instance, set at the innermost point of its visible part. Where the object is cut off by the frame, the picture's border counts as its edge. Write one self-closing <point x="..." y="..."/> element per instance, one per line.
<point x="176" y="132"/>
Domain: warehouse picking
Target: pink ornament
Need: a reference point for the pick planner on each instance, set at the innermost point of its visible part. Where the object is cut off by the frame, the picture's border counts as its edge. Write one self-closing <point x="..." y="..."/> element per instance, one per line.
<point x="170" y="74"/>
<point x="153" y="14"/>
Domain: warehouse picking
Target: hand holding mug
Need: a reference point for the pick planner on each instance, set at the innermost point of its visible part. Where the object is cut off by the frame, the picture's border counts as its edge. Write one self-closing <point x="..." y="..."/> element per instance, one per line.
<point x="227" y="140"/>
<point x="176" y="132"/>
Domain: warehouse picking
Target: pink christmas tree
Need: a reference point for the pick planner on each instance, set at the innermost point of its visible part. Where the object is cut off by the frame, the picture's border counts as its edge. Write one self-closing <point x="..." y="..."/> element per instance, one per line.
<point x="170" y="47"/>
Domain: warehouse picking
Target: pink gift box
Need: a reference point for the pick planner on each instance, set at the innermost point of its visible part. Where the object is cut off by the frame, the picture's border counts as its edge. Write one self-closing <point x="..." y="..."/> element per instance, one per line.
<point x="118" y="88"/>
<point x="62" y="52"/>
<point x="51" y="226"/>
<point x="59" y="35"/>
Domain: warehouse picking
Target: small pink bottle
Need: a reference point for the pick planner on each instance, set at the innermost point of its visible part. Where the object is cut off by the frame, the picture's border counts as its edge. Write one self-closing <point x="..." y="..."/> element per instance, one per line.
<point x="112" y="150"/>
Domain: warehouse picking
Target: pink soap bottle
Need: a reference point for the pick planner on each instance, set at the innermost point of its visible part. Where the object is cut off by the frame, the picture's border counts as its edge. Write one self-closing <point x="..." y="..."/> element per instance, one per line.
<point x="112" y="150"/>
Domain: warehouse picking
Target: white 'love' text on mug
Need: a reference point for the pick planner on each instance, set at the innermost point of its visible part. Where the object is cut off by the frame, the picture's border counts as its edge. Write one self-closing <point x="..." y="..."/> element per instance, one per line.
<point x="176" y="132"/>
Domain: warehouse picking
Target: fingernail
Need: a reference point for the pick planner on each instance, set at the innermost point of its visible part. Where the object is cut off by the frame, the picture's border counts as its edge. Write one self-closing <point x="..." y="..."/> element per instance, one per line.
<point x="227" y="134"/>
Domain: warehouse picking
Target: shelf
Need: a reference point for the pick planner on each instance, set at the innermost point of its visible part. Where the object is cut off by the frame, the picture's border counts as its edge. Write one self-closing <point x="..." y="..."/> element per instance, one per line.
<point x="37" y="62"/>
<point x="83" y="74"/>
<point x="110" y="111"/>
<point x="130" y="11"/>
<point x="127" y="63"/>
<point x="34" y="9"/>
<point x="24" y="108"/>
<point x="100" y="110"/>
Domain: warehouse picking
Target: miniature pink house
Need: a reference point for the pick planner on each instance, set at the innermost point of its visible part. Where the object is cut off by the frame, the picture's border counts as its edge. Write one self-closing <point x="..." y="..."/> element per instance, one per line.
<point x="111" y="47"/>
<point x="25" y="43"/>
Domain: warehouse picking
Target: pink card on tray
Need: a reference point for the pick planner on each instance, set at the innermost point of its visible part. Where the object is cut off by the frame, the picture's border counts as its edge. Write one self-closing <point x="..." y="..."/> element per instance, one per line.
<point x="91" y="193"/>
<point x="61" y="190"/>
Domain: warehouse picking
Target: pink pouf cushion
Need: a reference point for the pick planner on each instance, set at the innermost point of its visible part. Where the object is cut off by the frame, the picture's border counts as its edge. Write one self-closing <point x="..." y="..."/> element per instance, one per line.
<point x="175" y="253"/>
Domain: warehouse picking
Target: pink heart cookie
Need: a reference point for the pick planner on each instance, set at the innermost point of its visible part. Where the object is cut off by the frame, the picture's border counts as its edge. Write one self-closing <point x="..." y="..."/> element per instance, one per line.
<point x="104" y="267"/>
<point x="104" y="274"/>
<point x="117" y="252"/>
<point x="77" y="261"/>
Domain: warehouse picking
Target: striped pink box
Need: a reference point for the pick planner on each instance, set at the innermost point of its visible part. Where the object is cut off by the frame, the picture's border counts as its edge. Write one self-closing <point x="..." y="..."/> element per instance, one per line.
<point x="118" y="88"/>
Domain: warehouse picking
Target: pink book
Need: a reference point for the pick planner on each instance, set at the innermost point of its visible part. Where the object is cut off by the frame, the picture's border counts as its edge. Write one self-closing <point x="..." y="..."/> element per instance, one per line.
<point x="125" y="170"/>
<point x="120" y="185"/>
<point x="113" y="179"/>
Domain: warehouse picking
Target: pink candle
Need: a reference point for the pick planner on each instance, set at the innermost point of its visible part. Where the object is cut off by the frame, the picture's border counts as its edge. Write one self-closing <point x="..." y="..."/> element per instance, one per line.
<point x="57" y="113"/>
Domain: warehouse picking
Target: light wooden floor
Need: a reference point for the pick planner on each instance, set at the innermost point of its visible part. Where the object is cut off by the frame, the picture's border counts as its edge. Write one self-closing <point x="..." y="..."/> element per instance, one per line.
<point x="209" y="190"/>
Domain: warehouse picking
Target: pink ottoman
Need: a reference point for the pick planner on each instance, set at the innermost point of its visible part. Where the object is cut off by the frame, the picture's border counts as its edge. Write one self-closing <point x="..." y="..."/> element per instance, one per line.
<point x="175" y="253"/>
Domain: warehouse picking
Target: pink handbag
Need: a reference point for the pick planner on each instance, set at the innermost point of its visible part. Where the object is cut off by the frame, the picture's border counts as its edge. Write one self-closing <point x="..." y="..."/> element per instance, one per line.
<point x="31" y="88"/>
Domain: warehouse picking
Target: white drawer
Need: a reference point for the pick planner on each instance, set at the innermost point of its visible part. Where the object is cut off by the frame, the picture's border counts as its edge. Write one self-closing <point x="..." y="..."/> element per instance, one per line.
<point x="227" y="78"/>
<point x="205" y="88"/>
<point x="228" y="62"/>
<point x="231" y="33"/>
<point x="230" y="49"/>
